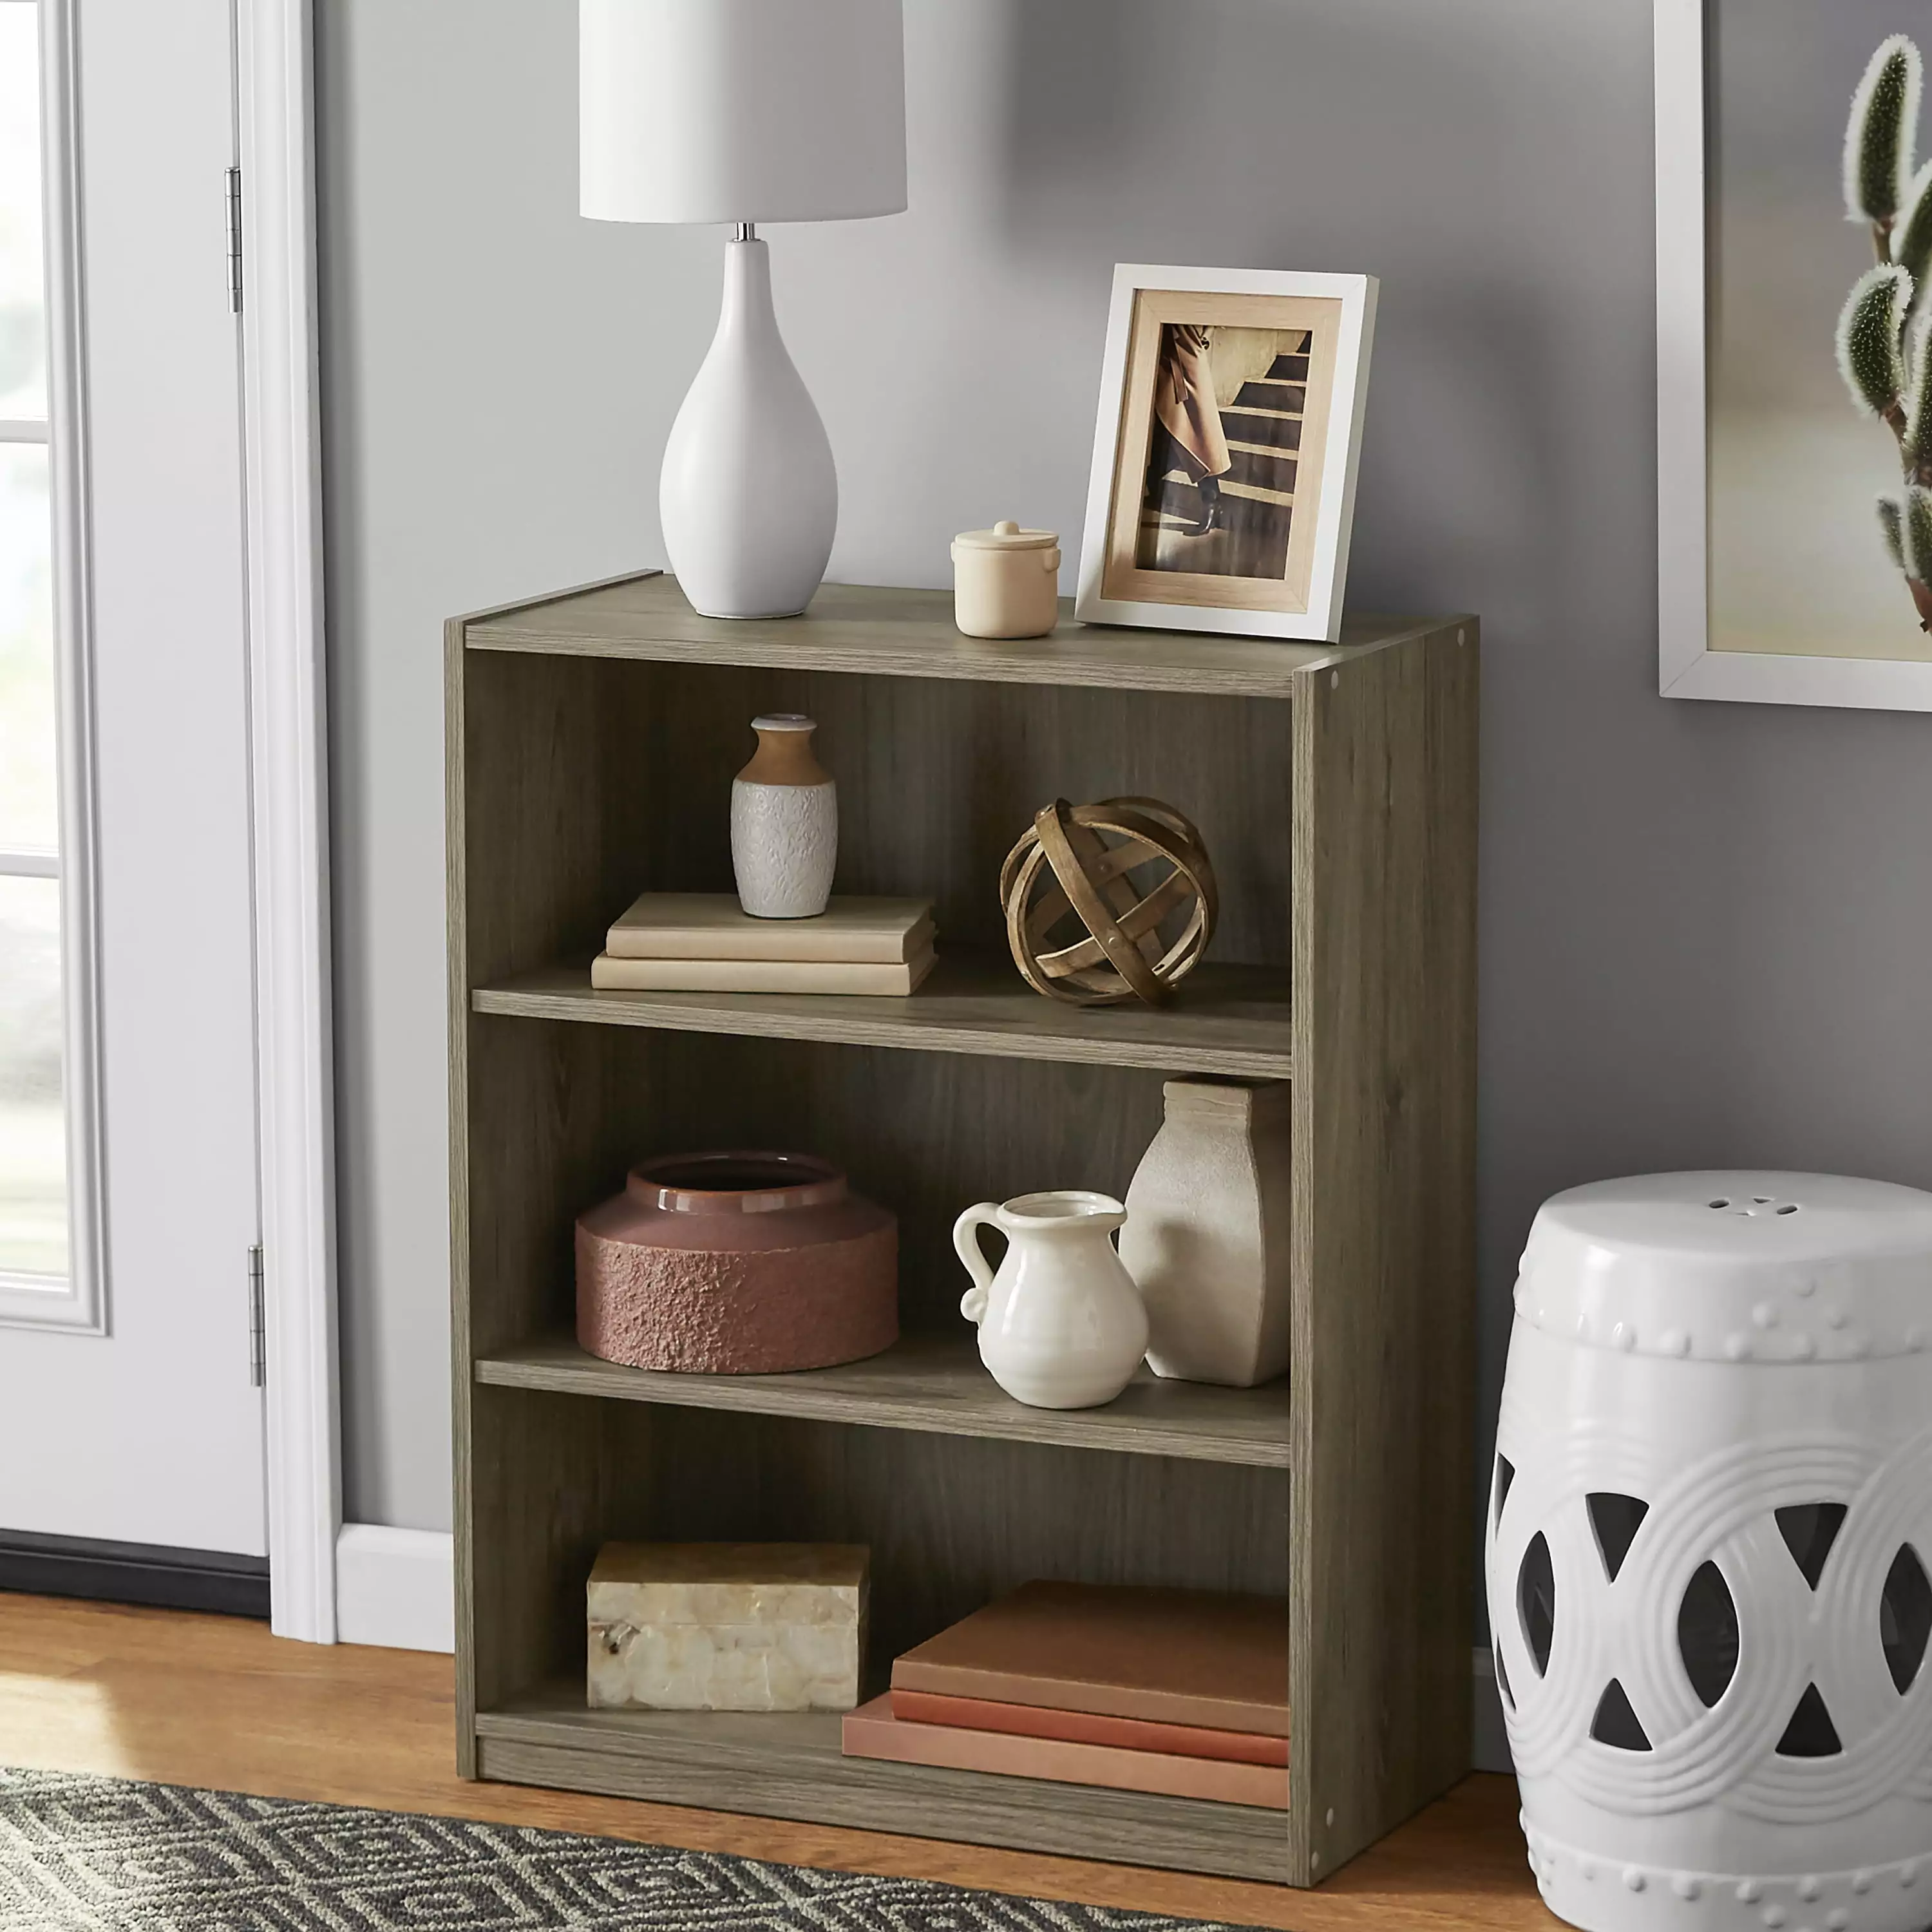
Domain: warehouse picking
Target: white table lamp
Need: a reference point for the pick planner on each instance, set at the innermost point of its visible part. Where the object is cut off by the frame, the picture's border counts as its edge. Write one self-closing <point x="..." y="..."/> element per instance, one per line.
<point x="744" y="111"/>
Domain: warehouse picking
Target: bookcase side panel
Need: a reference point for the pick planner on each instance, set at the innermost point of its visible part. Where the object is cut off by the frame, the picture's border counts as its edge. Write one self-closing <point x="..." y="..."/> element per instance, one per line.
<point x="528" y="830"/>
<point x="1384" y="1316"/>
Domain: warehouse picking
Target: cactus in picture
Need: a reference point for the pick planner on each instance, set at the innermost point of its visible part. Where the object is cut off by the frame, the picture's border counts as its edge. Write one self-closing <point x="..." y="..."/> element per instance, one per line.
<point x="1885" y="334"/>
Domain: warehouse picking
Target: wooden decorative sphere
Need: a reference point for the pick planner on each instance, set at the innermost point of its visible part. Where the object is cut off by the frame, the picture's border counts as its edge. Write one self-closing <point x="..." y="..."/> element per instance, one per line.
<point x="1081" y="928"/>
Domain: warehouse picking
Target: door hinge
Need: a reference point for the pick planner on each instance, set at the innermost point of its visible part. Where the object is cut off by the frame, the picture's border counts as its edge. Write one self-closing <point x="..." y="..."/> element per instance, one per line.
<point x="258" y="1323"/>
<point x="235" y="240"/>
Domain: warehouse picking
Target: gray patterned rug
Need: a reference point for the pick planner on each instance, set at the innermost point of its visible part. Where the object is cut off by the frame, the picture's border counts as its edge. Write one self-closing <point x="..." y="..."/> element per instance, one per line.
<point x="97" y="1855"/>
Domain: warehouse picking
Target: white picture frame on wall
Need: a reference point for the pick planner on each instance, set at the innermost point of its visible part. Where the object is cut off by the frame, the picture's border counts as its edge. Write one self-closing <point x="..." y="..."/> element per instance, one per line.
<point x="1686" y="178"/>
<point x="1259" y="547"/>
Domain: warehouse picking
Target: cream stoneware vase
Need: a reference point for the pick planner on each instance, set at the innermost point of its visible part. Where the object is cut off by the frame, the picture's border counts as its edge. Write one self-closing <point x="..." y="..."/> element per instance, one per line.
<point x="784" y="822"/>
<point x="1005" y="582"/>
<point x="1207" y="1237"/>
<point x="1061" y="1324"/>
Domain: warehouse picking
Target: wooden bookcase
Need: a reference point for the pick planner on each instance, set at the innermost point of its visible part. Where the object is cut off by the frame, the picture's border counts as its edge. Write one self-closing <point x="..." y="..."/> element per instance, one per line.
<point x="592" y="737"/>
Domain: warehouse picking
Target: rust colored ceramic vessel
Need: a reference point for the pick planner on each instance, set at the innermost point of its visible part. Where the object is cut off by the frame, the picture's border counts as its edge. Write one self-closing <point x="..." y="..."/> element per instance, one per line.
<point x="736" y="1264"/>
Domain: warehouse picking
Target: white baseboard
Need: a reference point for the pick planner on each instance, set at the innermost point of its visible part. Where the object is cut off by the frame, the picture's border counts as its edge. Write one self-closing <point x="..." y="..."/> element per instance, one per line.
<point x="395" y="1588"/>
<point x="1489" y="1747"/>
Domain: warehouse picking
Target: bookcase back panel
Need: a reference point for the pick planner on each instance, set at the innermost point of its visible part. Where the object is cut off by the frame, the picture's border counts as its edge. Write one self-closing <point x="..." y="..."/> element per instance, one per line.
<point x="561" y="1112"/>
<point x="951" y="1522"/>
<point x="542" y="1478"/>
<point x="589" y="781"/>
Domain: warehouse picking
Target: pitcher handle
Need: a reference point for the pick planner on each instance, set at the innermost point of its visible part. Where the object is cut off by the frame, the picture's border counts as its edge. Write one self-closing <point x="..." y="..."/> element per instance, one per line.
<point x="966" y="1245"/>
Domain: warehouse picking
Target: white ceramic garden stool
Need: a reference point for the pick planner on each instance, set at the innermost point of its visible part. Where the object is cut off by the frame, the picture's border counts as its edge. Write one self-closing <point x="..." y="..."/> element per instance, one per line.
<point x="1709" y="1538"/>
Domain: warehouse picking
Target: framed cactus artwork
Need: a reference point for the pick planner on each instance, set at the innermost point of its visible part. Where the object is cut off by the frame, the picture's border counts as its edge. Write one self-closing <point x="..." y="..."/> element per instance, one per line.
<point x="1794" y="261"/>
<point x="1224" y="462"/>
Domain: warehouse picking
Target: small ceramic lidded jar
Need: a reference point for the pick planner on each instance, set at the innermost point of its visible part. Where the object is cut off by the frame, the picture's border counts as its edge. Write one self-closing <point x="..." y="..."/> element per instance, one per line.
<point x="784" y="822"/>
<point x="1207" y="1237"/>
<point x="1005" y="581"/>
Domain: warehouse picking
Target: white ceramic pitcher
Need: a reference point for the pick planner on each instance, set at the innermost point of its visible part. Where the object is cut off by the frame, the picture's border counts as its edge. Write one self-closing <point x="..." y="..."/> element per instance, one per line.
<point x="1061" y="1324"/>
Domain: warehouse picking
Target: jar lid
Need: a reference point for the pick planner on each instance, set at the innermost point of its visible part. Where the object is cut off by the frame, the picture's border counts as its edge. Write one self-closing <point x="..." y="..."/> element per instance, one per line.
<point x="1007" y="535"/>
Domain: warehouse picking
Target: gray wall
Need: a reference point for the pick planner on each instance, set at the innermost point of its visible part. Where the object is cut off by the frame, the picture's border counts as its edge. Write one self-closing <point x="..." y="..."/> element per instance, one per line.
<point x="1706" y="928"/>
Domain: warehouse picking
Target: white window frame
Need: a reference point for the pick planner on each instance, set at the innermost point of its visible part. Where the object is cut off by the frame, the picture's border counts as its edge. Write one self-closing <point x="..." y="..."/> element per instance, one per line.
<point x="1687" y="666"/>
<point x="80" y="1305"/>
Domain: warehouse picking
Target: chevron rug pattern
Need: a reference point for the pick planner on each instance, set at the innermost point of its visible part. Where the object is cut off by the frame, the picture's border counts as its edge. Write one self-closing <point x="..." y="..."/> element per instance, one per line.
<point x="82" y="1854"/>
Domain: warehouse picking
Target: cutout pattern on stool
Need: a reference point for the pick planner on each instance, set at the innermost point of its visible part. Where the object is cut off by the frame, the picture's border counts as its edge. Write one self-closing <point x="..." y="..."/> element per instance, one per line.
<point x="1905" y="1618"/>
<point x="1707" y="1634"/>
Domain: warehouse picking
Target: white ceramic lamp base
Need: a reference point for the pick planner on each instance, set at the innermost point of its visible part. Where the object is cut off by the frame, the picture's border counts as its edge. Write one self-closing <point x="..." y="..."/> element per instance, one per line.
<point x="749" y="497"/>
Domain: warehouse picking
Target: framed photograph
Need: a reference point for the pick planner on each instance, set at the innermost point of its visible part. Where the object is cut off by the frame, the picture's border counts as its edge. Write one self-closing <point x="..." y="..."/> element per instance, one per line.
<point x="1794" y="237"/>
<point x="1224" y="460"/>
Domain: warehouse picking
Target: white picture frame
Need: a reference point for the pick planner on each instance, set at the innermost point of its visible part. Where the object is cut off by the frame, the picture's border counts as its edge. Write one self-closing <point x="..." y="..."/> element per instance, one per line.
<point x="1303" y="600"/>
<point x="1687" y="666"/>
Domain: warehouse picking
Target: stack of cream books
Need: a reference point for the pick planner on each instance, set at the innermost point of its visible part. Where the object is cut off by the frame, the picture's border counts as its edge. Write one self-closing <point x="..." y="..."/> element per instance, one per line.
<point x="706" y="942"/>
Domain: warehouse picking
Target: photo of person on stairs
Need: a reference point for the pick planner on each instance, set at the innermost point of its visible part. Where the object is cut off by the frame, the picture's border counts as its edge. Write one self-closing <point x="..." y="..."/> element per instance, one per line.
<point x="1223" y="484"/>
<point x="1218" y="499"/>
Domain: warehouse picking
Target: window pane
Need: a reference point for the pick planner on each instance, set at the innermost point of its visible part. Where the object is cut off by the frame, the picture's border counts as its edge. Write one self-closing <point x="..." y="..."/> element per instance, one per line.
<point x="33" y="1146"/>
<point x="28" y="793"/>
<point x="23" y="334"/>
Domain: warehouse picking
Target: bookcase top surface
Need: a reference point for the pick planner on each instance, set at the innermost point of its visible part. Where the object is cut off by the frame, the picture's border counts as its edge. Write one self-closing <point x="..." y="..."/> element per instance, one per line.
<point x="871" y="629"/>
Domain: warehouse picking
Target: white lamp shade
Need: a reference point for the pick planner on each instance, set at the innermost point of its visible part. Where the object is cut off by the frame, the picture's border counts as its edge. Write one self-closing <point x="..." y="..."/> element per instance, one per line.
<point x="741" y="110"/>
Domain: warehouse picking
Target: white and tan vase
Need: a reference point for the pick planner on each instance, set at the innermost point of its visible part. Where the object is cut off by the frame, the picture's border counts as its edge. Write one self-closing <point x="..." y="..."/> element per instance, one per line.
<point x="1206" y="1236"/>
<point x="784" y="822"/>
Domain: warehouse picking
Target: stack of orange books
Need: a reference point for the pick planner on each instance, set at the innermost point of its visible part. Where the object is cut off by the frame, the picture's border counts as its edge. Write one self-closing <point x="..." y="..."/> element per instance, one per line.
<point x="1181" y="1692"/>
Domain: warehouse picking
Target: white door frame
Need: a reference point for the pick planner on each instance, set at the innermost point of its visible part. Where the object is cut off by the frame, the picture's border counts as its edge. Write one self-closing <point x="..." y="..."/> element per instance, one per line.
<point x="282" y="442"/>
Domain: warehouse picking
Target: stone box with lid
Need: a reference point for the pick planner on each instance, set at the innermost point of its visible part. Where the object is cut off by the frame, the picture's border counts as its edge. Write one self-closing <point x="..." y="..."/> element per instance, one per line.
<point x="726" y="1626"/>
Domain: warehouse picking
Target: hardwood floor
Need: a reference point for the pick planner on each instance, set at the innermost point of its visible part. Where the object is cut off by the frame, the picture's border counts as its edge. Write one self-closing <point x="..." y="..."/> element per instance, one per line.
<point x="216" y="1701"/>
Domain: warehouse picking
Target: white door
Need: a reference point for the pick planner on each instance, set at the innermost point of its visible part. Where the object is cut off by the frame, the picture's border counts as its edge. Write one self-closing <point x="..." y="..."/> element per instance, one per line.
<point x="129" y="1407"/>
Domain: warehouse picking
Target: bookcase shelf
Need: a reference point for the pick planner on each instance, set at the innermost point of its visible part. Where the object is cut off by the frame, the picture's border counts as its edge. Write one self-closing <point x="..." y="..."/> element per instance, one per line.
<point x="592" y="735"/>
<point x="774" y="1764"/>
<point x="935" y="1384"/>
<point x="1226" y="1019"/>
